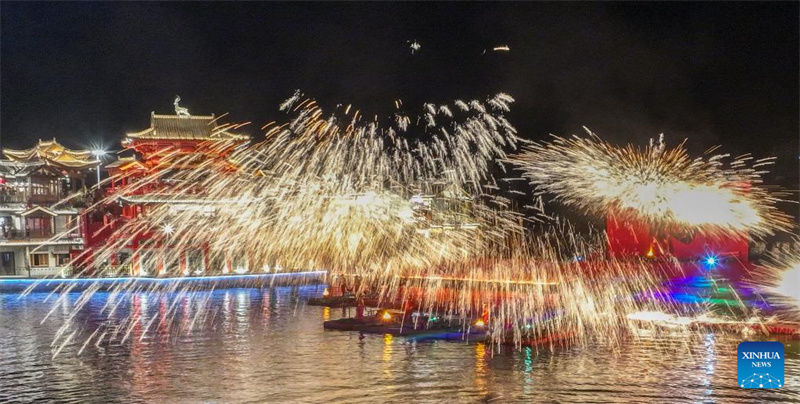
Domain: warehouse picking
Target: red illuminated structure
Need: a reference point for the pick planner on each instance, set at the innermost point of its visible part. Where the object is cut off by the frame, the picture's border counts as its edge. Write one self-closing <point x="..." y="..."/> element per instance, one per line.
<point x="172" y="143"/>
<point x="632" y="237"/>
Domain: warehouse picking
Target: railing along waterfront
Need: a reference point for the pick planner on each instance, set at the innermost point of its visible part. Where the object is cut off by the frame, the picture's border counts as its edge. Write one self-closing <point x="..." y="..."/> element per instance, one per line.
<point x="16" y="235"/>
<point x="12" y="198"/>
<point x="37" y="272"/>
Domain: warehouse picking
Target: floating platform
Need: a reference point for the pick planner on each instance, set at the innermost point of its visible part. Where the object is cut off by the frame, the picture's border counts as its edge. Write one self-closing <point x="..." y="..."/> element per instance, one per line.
<point x="372" y="325"/>
<point x="784" y="328"/>
<point x="347" y="301"/>
<point x="768" y="328"/>
<point x="397" y="323"/>
<point x="426" y="332"/>
<point x="349" y="324"/>
<point x="335" y="301"/>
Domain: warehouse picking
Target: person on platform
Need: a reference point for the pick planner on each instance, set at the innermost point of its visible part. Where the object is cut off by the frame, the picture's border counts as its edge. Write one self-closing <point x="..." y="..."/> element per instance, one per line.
<point x="408" y="308"/>
<point x="360" y="309"/>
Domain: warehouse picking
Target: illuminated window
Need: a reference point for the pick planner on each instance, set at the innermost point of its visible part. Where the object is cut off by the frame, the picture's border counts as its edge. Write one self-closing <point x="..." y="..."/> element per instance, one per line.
<point x="62" y="259"/>
<point x="40" y="260"/>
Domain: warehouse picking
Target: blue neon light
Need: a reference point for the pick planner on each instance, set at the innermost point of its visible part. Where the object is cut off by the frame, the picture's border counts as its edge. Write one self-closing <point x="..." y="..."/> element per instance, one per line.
<point x="185" y="278"/>
<point x="711" y="260"/>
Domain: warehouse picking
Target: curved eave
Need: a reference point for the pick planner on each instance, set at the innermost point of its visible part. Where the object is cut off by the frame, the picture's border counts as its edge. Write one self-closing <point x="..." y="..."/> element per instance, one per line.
<point x="178" y="200"/>
<point x="38" y="209"/>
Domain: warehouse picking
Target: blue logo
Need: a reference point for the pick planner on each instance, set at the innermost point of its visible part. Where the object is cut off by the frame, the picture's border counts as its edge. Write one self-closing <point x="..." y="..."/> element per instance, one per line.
<point x="760" y="365"/>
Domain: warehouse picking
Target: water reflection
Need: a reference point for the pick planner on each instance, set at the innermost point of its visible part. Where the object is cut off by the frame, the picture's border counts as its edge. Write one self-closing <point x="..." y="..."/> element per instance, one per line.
<point x="527" y="354"/>
<point x="480" y="369"/>
<point x="267" y="346"/>
<point x="387" y="355"/>
<point x="708" y="363"/>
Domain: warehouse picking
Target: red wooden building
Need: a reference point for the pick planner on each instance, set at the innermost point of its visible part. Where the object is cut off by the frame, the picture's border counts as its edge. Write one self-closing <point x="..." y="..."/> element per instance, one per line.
<point x="142" y="182"/>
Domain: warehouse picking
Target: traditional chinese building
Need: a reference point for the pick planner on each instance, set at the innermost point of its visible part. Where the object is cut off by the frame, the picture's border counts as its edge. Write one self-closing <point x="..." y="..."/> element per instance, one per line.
<point x="171" y="145"/>
<point x="40" y="228"/>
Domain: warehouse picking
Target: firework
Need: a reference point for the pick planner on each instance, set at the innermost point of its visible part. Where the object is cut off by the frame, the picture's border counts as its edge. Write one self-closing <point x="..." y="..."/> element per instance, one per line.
<point x="408" y="204"/>
<point x="779" y="281"/>
<point x="335" y="191"/>
<point x="415" y="46"/>
<point x="663" y="187"/>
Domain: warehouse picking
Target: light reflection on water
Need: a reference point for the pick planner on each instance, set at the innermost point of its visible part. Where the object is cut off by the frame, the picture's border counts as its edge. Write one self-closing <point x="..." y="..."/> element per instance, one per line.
<point x="248" y="345"/>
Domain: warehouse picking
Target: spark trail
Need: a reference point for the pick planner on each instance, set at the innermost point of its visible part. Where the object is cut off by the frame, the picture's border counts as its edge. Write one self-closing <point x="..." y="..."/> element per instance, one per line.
<point x="409" y="204"/>
<point x="664" y="187"/>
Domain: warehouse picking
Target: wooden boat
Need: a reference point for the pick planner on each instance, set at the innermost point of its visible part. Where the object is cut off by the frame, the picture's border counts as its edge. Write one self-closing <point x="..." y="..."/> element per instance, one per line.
<point x="337" y="301"/>
<point x="349" y="324"/>
<point x="371" y="318"/>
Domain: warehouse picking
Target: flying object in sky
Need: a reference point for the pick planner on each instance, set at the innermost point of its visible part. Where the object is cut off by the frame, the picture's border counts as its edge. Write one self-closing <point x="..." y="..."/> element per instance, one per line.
<point x="499" y="48"/>
<point x="414" y="46"/>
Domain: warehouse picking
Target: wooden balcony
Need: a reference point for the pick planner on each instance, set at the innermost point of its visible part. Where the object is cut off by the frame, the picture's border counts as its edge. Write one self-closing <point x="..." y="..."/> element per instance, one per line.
<point x="22" y="197"/>
<point x="35" y="234"/>
<point x="12" y="198"/>
<point x="44" y="198"/>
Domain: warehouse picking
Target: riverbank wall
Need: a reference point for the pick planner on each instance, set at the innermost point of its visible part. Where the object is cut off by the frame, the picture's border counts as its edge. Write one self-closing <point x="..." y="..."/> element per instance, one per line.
<point x="30" y="285"/>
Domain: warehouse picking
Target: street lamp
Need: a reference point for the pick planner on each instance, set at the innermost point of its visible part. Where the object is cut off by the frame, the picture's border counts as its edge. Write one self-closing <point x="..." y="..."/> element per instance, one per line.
<point x="98" y="153"/>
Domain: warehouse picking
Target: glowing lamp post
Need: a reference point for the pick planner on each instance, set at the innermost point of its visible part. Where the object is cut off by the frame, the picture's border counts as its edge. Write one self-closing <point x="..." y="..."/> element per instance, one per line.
<point x="98" y="153"/>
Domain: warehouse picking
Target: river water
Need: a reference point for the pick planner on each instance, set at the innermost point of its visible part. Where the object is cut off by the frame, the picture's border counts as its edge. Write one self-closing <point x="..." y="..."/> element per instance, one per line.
<point x="251" y="345"/>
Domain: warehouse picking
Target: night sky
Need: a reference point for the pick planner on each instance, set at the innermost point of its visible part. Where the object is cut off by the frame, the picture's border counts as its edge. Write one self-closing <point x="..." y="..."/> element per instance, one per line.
<point x="726" y="74"/>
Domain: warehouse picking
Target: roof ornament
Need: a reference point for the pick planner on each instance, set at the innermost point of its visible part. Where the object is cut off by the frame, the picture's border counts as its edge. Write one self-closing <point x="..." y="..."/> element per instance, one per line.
<point x="179" y="110"/>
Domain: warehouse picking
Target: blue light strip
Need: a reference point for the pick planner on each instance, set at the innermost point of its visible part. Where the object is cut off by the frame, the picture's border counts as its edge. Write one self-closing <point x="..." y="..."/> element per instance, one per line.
<point x="176" y="279"/>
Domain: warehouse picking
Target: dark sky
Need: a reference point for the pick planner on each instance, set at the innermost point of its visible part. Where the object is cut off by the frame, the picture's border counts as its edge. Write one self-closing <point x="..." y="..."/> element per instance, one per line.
<point x="726" y="74"/>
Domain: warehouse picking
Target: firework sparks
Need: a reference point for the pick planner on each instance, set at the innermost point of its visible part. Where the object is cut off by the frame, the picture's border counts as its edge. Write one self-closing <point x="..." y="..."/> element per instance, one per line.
<point x="779" y="280"/>
<point x="418" y="221"/>
<point x="664" y="187"/>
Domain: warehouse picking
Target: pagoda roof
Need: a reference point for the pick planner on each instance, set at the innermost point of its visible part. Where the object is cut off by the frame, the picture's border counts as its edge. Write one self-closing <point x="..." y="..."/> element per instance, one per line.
<point x="50" y="152"/>
<point x="182" y="199"/>
<point x="123" y="163"/>
<point x="175" y="127"/>
<point x="13" y="169"/>
<point x="39" y="209"/>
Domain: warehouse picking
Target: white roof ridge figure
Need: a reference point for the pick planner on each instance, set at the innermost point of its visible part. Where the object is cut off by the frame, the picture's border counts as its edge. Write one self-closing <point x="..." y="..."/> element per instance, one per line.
<point x="415" y="46"/>
<point x="179" y="110"/>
